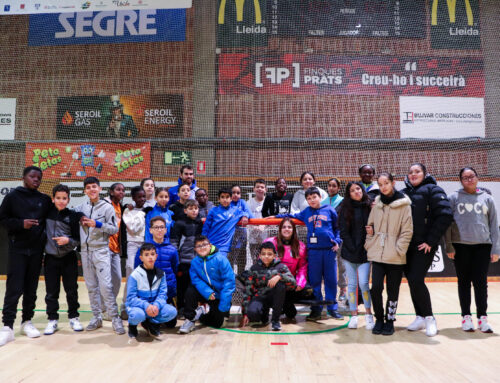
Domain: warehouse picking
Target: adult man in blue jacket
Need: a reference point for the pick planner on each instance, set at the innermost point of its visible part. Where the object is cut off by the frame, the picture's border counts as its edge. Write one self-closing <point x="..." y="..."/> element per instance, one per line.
<point x="186" y="176"/>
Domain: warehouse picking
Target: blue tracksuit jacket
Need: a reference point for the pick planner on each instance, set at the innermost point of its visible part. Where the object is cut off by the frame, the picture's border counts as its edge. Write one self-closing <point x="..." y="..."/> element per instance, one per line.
<point x="322" y="222"/>
<point x="167" y="260"/>
<point x="213" y="274"/>
<point x="163" y="212"/>
<point x="220" y="225"/>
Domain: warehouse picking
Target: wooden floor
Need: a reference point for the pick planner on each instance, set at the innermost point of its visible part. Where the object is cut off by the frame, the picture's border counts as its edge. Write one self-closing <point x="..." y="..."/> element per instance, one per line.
<point x="306" y="352"/>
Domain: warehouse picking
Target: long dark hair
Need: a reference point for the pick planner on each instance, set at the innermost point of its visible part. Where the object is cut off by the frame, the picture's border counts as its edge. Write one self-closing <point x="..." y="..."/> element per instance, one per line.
<point x="294" y="241"/>
<point x="347" y="208"/>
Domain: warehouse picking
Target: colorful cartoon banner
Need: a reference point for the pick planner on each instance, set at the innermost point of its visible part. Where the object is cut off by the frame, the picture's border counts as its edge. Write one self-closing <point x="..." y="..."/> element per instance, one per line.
<point x="108" y="27"/>
<point x="125" y="117"/>
<point x="363" y="75"/>
<point x="131" y="161"/>
<point x="455" y="24"/>
<point x="441" y="117"/>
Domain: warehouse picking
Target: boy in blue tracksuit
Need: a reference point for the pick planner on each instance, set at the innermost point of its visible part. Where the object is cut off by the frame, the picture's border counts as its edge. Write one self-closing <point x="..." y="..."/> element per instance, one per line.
<point x="167" y="256"/>
<point x="147" y="295"/>
<point x="212" y="282"/>
<point x="323" y="240"/>
<point x="221" y="222"/>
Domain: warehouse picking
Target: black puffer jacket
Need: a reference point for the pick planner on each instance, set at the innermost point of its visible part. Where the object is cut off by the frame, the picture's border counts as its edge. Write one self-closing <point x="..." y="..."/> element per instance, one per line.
<point x="430" y="209"/>
<point x="354" y="236"/>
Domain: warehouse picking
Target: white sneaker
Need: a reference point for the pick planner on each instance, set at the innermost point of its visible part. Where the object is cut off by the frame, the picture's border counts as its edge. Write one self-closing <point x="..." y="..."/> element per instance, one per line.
<point x="29" y="329"/>
<point x="75" y="324"/>
<point x="369" y="322"/>
<point x="417" y="324"/>
<point x="353" y="322"/>
<point x="51" y="327"/>
<point x="201" y="310"/>
<point x="186" y="327"/>
<point x="483" y="325"/>
<point x="6" y="335"/>
<point x="467" y="324"/>
<point x="430" y="326"/>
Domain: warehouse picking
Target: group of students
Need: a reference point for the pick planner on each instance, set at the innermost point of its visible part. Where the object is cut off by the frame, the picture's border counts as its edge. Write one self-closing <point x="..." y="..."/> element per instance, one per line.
<point x="176" y="245"/>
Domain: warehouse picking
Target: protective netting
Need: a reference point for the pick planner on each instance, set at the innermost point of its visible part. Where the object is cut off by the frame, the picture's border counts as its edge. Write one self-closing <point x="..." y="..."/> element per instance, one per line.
<point x="257" y="88"/>
<point x="242" y="89"/>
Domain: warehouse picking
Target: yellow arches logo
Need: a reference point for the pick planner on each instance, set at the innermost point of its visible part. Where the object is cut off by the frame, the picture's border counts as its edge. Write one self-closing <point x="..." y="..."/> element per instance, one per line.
<point x="451" y="11"/>
<point x="239" y="10"/>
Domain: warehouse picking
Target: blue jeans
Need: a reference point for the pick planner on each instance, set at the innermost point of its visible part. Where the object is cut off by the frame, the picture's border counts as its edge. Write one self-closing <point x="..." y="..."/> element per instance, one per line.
<point x="322" y="266"/>
<point x="137" y="315"/>
<point x="358" y="273"/>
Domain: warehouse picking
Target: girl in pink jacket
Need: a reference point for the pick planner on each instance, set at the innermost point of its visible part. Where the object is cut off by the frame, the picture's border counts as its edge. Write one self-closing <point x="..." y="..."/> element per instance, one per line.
<point x="293" y="254"/>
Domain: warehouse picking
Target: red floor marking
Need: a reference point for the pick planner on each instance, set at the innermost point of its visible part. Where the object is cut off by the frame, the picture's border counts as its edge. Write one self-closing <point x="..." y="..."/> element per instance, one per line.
<point x="278" y="344"/>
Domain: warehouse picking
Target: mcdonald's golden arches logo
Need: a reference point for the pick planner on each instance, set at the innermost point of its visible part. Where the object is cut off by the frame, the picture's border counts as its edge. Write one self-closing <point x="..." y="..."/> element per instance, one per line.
<point x="240" y="4"/>
<point x="452" y="7"/>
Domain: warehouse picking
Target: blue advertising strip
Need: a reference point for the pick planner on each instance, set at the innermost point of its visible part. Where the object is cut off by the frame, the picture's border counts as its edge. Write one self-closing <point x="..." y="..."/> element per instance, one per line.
<point x="108" y="27"/>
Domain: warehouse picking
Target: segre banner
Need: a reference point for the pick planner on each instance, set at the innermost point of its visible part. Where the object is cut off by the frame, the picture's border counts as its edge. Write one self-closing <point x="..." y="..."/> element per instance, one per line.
<point x="129" y="161"/>
<point x="369" y="75"/>
<point x="18" y="7"/>
<point x="455" y="24"/>
<point x="108" y="27"/>
<point x="125" y="117"/>
<point x="441" y="117"/>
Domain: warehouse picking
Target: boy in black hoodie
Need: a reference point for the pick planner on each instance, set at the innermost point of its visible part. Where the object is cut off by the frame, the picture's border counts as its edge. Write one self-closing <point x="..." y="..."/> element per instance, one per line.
<point x="265" y="286"/>
<point x="61" y="261"/>
<point x="182" y="237"/>
<point x="23" y="213"/>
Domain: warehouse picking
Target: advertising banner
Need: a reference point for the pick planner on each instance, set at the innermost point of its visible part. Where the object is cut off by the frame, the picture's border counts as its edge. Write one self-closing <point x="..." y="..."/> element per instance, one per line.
<point x="20" y="7"/>
<point x="348" y="18"/>
<point x="107" y="27"/>
<point x="131" y="161"/>
<point x="441" y="117"/>
<point x="242" y="23"/>
<point x="455" y="24"/>
<point x="366" y="75"/>
<point x="126" y="117"/>
<point x="7" y="118"/>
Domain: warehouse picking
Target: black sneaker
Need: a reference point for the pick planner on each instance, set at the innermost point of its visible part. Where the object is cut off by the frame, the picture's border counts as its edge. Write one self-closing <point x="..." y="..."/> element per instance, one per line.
<point x="153" y="329"/>
<point x="378" y="328"/>
<point x="276" y="325"/>
<point x="132" y="331"/>
<point x="314" y="316"/>
<point x="388" y="328"/>
<point x="335" y="314"/>
<point x="265" y="318"/>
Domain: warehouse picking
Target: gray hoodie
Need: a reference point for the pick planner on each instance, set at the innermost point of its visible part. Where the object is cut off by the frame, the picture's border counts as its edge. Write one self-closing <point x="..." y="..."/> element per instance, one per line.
<point x="474" y="220"/>
<point x="92" y="238"/>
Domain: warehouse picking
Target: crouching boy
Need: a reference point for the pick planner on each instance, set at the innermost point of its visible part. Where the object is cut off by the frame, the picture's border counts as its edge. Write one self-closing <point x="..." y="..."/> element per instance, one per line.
<point x="265" y="286"/>
<point x="212" y="282"/>
<point x="147" y="295"/>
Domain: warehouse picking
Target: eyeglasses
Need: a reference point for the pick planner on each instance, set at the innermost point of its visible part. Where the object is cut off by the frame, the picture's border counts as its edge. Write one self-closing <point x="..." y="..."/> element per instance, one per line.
<point x="158" y="227"/>
<point x="468" y="179"/>
<point x="203" y="245"/>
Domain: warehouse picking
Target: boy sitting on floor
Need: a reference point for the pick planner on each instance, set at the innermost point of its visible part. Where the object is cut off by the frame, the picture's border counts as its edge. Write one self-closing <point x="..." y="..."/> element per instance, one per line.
<point x="265" y="286"/>
<point x="147" y="295"/>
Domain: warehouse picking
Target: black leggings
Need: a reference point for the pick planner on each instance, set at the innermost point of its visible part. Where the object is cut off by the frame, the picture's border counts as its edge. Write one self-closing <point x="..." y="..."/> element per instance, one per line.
<point x="394" y="274"/>
<point x="214" y="318"/>
<point x="183" y="281"/>
<point x="417" y="265"/>
<point x="472" y="263"/>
